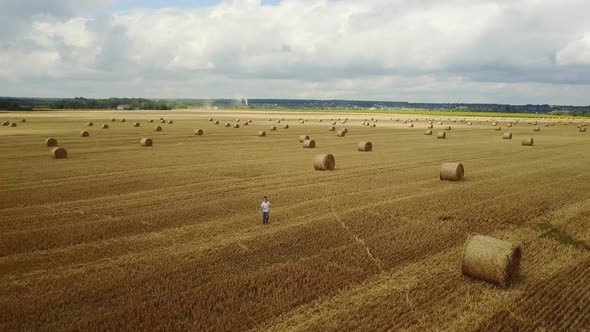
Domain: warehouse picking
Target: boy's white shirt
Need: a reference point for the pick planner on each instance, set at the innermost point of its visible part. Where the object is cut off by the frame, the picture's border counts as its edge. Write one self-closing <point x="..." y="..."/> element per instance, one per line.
<point x="265" y="206"/>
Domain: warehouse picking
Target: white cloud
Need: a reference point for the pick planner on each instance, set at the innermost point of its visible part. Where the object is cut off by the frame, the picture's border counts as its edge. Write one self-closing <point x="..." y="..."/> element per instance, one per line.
<point x="457" y="50"/>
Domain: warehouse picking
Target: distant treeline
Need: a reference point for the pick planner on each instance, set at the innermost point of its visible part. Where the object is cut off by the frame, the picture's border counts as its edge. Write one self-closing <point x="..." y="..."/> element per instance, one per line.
<point x="112" y="103"/>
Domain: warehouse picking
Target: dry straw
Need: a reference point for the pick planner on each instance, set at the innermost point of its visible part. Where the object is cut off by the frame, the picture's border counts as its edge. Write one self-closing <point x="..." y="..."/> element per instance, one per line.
<point x="309" y="144"/>
<point x="59" y="153"/>
<point x="365" y="146"/>
<point x="324" y="162"/>
<point x="84" y="134"/>
<point x="262" y="133"/>
<point x="527" y="142"/>
<point x="441" y="135"/>
<point x="302" y="138"/>
<point x="199" y="132"/>
<point x="428" y="132"/>
<point x="452" y="171"/>
<point x="50" y="142"/>
<point x="104" y="126"/>
<point x="490" y="259"/>
<point x="146" y="142"/>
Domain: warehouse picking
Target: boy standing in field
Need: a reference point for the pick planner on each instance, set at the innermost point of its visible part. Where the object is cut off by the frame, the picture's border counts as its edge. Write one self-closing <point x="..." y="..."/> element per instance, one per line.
<point x="265" y="210"/>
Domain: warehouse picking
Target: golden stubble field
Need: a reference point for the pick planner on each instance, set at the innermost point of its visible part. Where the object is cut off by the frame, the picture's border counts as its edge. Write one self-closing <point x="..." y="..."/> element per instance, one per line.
<point x="120" y="237"/>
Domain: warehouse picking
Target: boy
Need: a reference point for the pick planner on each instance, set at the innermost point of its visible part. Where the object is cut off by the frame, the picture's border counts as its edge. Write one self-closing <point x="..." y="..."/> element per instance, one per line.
<point x="265" y="210"/>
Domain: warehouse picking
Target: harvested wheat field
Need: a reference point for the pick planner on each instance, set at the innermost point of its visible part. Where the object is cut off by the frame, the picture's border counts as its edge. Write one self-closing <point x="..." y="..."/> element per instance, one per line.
<point x="121" y="237"/>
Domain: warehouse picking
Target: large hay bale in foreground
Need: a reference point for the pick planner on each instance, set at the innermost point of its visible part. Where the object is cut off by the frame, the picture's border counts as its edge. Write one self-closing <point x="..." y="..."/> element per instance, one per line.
<point x="199" y="132"/>
<point x="84" y="134"/>
<point x="441" y="135"/>
<point x="59" y="153"/>
<point x="324" y="162"/>
<point x="302" y="138"/>
<point x="365" y="146"/>
<point x="158" y="128"/>
<point x="452" y="172"/>
<point x="341" y="133"/>
<point x="104" y="126"/>
<point x="490" y="259"/>
<point x="309" y="144"/>
<point x="507" y="136"/>
<point x="262" y="133"/>
<point x="50" y="142"/>
<point x="146" y="142"/>
<point x="527" y="141"/>
<point x="428" y="132"/>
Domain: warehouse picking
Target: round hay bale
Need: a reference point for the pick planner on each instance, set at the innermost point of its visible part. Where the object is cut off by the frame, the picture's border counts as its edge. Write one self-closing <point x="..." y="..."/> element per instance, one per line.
<point x="331" y="128"/>
<point x="428" y="132"/>
<point x="5" y="123"/>
<point x="363" y="123"/>
<point x="341" y="133"/>
<point x="104" y="126"/>
<point x="199" y="132"/>
<point x="262" y="133"/>
<point x="210" y="119"/>
<point x="216" y="122"/>
<point x="345" y="130"/>
<point x="469" y="123"/>
<point x="440" y="123"/>
<point x="90" y="124"/>
<point x="342" y="122"/>
<point x="492" y="260"/>
<point x="249" y="121"/>
<point x="146" y="142"/>
<point x="113" y="120"/>
<point x="269" y="119"/>
<point x="448" y="128"/>
<point x="441" y="135"/>
<point x="237" y="125"/>
<point x="23" y="120"/>
<point x="278" y="121"/>
<point x="509" y="125"/>
<point x="151" y="120"/>
<point x="162" y="121"/>
<point x="411" y="125"/>
<point x="302" y="122"/>
<point x="59" y="153"/>
<point x="84" y="134"/>
<point x="245" y="123"/>
<point x="498" y="128"/>
<point x="303" y="138"/>
<point x="320" y="120"/>
<point x="507" y="136"/>
<point x="537" y="129"/>
<point x="170" y="122"/>
<point x="122" y="120"/>
<point x="237" y="120"/>
<point x="365" y="146"/>
<point x="13" y="124"/>
<point x="309" y="144"/>
<point x="452" y="172"/>
<point x="405" y="121"/>
<point x="158" y="128"/>
<point x="429" y="126"/>
<point x="324" y="162"/>
<point x="227" y="124"/>
<point x="136" y="124"/>
<point x="333" y="123"/>
<point x="494" y="124"/>
<point x="50" y="142"/>
<point x="583" y="129"/>
<point x="373" y="125"/>
<point x="286" y="126"/>
<point x="273" y="128"/>
<point x="527" y="142"/>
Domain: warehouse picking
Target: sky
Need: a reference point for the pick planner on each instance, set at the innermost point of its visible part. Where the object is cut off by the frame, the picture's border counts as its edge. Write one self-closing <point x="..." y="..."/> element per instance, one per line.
<point x="468" y="51"/>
